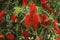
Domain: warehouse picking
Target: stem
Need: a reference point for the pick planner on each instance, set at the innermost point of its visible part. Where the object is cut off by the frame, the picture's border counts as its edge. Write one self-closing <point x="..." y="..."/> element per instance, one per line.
<point x="22" y="20"/>
<point x="45" y="35"/>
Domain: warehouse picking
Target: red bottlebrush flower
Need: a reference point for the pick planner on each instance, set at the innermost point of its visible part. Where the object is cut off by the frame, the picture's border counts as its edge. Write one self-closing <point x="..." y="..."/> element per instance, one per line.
<point x="44" y="16"/>
<point x="47" y="7"/>
<point x="27" y="20"/>
<point x="2" y="13"/>
<point x="32" y="8"/>
<point x="41" y="18"/>
<point x="44" y="19"/>
<point x="35" y="21"/>
<point x="46" y="22"/>
<point x="25" y="34"/>
<point x="55" y="23"/>
<point x="57" y="39"/>
<point x="24" y="2"/>
<point x="13" y="18"/>
<point x="1" y="36"/>
<point x="43" y="1"/>
<point x="58" y="31"/>
<point x="10" y="36"/>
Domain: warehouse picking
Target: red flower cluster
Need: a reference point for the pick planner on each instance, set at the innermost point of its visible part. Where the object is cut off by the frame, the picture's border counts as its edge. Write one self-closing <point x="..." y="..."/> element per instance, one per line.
<point x="10" y="36"/>
<point x="58" y="31"/>
<point x="55" y="23"/>
<point x="47" y="7"/>
<point x="43" y="2"/>
<point x="24" y="2"/>
<point x="13" y="17"/>
<point x="32" y="8"/>
<point x="2" y="13"/>
<point x="57" y="39"/>
<point x="27" y="20"/>
<point x="32" y="18"/>
<point x="34" y="21"/>
<point x="44" y="19"/>
<point x="25" y="34"/>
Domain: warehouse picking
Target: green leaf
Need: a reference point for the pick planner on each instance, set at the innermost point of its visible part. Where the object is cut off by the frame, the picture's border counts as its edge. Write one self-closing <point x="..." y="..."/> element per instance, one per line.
<point x="16" y="10"/>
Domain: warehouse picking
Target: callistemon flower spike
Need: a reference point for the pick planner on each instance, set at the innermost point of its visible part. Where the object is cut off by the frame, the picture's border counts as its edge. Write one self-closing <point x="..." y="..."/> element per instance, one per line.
<point x="32" y="8"/>
<point x="55" y="23"/>
<point x="10" y="36"/>
<point x="25" y="34"/>
<point x="35" y="22"/>
<point x="58" y="31"/>
<point x="13" y="17"/>
<point x="41" y="18"/>
<point x="27" y="20"/>
<point x="45" y="16"/>
<point x="24" y="2"/>
<point x="44" y="19"/>
<point x="34" y="16"/>
<point x="2" y="13"/>
<point x="43" y="1"/>
<point x="47" y="7"/>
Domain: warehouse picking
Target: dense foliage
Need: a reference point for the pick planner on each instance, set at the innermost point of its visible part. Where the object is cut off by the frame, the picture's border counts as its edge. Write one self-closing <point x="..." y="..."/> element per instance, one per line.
<point x="29" y="20"/>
